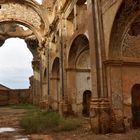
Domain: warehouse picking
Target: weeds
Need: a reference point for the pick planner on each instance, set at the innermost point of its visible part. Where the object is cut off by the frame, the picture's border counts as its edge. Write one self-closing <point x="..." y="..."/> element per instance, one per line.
<point x="69" y="124"/>
<point x="37" y="120"/>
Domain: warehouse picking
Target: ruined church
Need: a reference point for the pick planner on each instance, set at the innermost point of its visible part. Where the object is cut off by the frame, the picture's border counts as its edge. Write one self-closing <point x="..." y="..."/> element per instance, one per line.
<point x="86" y="57"/>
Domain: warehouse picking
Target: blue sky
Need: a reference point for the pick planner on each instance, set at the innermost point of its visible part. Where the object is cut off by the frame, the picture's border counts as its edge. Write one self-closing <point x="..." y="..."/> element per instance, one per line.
<point x="15" y="64"/>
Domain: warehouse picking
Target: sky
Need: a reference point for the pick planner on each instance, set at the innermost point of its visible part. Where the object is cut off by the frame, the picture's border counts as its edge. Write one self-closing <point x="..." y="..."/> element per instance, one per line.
<point x="39" y="1"/>
<point x="15" y="64"/>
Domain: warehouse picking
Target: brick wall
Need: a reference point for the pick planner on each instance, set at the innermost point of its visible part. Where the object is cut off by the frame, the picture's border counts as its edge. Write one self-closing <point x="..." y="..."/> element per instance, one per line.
<point x="8" y="97"/>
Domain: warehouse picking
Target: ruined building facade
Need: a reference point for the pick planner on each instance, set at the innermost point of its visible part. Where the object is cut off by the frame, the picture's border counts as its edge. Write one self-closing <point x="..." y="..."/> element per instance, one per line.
<point x="86" y="57"/>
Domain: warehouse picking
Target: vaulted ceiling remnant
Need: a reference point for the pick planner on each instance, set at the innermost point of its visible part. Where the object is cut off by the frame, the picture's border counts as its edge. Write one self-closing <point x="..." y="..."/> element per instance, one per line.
<point x="8" y="30"/>
<point x="13" y="11"/>
<point x="25" y="12"/>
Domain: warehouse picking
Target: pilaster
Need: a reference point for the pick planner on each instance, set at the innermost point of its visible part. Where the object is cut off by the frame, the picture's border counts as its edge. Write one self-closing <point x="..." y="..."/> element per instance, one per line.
<point x="100" y="105"/>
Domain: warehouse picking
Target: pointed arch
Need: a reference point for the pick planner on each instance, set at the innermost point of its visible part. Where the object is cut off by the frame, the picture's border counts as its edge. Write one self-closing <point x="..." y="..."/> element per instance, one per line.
<point x="56" y="67"/>
<point x="126" y="16"/>
<point x="79" y="44"/>
<point x="27" y="12"/>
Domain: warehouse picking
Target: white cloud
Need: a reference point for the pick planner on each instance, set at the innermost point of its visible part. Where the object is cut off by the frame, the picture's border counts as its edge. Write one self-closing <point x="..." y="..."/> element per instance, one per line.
<point x="39" y="1"/>
<point x="15" y="63"/>
<point x="24" y="28"/>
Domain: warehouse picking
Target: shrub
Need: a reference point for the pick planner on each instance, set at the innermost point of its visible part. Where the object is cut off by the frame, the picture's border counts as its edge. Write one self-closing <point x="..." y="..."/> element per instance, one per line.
<point x="32" y="124"/>
<point x="37" y="120"/>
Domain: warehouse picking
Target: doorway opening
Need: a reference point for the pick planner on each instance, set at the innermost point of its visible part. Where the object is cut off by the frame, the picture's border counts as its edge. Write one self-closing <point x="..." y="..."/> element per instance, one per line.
<point x="86" y="103"/>
<point x="136" y="106"/>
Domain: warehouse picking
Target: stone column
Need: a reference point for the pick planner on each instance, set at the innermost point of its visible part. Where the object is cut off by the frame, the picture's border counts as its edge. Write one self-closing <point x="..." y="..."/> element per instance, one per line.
<point x="68" y="103"/>
<point x="71" y="91"/>
<point x="99" y="115"/>
<point x="100" y="106"/>
<point x="37" y="88"/>
<point x="47" y="83"/>
<point x="44" y="100"/>
<point x="31" y="79"/>
<point x="33" y="46"/>
<point x="43" y="81"/>
<point x="54" y="93"/>
<point x="63" y="96"/>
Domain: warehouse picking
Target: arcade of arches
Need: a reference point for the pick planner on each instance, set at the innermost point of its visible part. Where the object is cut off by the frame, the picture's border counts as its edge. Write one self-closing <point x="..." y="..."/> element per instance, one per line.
<point x="86" y="57"/>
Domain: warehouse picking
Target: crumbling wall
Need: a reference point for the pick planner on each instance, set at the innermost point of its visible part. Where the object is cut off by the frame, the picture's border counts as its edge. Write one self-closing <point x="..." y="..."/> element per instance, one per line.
<point x="8" y="97"/>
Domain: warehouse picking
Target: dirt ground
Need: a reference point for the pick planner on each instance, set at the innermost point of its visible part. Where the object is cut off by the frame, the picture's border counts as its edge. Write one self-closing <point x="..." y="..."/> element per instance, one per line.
<point x="10" y="118"/>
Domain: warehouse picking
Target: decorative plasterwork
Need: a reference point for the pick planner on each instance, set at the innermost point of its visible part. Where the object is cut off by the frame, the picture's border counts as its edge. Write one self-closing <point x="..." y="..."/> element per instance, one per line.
<point x="125" y="19"/>
<point x="131" y="46"/>
<point x="83" y="61"/>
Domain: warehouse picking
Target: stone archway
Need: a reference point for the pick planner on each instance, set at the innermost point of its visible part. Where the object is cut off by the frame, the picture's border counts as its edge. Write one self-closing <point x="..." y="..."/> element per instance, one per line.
<point x="86" y="103"/>
<point x="12" y="54"/>
<point x="31" y="15"/>
<point x="79" y="44"/>
<point x="28" y="13"/>
<point x="78" y="74"/>
<point x="16" y="30"/>
<point x="136" y="105"/>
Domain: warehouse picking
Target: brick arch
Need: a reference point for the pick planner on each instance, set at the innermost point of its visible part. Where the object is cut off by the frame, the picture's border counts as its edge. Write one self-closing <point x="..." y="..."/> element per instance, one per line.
<point x="32" y="43"/>
<point x="125" y="18"/>
<point x="79" y="44"/>
<point x="78" y="73"/>
<point x="24" y="23"/>
<point x="27" y="12"/>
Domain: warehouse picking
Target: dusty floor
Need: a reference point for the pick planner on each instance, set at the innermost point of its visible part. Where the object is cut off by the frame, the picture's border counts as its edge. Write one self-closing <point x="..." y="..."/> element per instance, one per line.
<point x="10" y="118"/>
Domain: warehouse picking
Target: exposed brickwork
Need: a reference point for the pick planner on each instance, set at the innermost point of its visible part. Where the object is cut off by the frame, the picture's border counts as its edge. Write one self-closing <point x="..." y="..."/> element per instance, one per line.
<point x="8" y="97"/>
